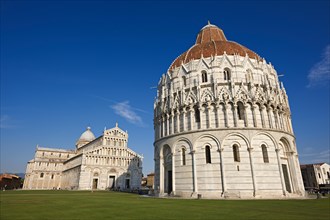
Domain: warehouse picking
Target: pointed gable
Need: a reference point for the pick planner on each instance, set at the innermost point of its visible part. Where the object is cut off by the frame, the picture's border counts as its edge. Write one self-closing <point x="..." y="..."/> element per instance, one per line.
<point x="207" y="95"/>
<point x="224" y="94"/>
<point x="225" y="61"/>
<point x="202" y="64"/>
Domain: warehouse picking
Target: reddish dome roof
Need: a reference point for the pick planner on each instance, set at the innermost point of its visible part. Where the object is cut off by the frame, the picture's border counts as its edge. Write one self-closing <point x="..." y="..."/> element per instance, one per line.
<point x="211" y="41"/>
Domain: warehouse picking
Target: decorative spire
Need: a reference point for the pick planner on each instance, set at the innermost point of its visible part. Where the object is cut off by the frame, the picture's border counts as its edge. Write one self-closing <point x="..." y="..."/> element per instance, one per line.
<point x="208" y="22"/>
<point x="116" y="124"/>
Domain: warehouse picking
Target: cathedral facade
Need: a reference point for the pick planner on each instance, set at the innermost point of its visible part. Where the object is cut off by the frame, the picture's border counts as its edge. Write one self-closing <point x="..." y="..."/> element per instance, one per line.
<point x="100" y="163"/>
<point x="222" y="125"/>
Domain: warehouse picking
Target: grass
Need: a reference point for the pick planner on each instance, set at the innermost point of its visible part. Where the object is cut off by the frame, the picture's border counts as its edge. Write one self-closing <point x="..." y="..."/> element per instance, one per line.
<point x="114" y="205"/>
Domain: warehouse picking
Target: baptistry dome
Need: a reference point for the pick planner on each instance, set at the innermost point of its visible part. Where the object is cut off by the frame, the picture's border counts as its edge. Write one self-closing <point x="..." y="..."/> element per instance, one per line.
<point x="222" y="125"/>
<point x="211" y="41"/>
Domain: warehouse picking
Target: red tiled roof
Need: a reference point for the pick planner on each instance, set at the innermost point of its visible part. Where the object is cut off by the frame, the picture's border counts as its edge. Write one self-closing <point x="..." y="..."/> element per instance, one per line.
<point x="211" y="41"/>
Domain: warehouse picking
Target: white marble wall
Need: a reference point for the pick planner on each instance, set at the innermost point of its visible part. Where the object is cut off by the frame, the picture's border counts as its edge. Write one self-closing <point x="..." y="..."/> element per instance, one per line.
<point x="45" y="170"/>
<point x="250" y="109"/>
<point x="251" y="177"/>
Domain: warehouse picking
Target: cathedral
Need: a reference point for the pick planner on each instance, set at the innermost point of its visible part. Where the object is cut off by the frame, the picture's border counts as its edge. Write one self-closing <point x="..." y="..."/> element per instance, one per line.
<point x="222" y="125"/>
<point x="101" y="163"/>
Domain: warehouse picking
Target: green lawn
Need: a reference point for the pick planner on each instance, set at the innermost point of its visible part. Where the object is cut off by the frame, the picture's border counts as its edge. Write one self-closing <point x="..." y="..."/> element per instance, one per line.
<point x="59" y="205"/>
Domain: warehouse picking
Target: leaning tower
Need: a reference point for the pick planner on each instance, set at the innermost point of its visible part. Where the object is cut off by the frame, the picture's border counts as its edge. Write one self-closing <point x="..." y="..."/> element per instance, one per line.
<point x="222" y="125"/>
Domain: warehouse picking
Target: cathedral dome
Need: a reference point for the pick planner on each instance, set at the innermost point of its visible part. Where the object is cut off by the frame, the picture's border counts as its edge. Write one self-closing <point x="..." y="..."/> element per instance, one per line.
<point x="211" y="41"/>
<point x="85" y="137"/>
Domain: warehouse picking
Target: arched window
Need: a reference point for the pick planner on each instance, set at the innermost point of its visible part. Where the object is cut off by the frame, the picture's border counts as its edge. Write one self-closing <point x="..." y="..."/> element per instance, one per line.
<point x="184" y="80"/>
<point x="240" y="111"/>
<point x="204" y="76"/>
<point x="236" y="153"/>
<point x="208" y="154"/>
<point x="41" y="175"/>
<point x="197" y="114"/>
<point x="226" y="74"/>
<point x="183" y="156"/>
<point x="264" y="153"/>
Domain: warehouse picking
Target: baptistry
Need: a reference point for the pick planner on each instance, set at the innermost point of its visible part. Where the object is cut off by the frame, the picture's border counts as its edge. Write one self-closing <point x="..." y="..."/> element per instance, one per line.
<point x="222" y="125"/>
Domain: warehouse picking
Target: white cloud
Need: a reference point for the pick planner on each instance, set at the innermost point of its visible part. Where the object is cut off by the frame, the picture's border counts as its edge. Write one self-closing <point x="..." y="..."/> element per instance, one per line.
<point x="124" y="110"/>
<point x="319" y="75"/>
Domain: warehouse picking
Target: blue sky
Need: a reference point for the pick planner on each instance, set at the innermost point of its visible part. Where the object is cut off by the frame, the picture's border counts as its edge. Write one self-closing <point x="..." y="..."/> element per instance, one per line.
<point x="66" y="65"/>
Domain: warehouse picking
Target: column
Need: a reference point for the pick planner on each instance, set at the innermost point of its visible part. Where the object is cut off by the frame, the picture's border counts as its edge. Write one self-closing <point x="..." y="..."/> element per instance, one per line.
<point x="292" y="170"/>
<point x="161" y="175"/>
<point x="226" y="115"/>
<point x="263" y="123"/>
<point x="246" y="122"/>
<point x="172" y="124"/>
<point x="235" y="115"/>
<point x="178" y="121"/>
<point x="194" y="171"/>
<point x="290" y="124"/>
<point x="162" y="127"/>
<point x="223" y="178"/>
<point x="280" y="170"/>
<point x="270" y="117"/>
<point x="252" y="172"/>
<point x="300" y="183"/>
<point x="255" y="122"/>
<point x="173" y="174"/>
<point x="191" y="116"/>
<point x="287" y="120"/>
<point x="218" y="115"/>
<point x="201" y="113"/>
<point x="280" y="115"/>
<point x="208" y="121"/>
<point x="184" y="112"/>
<point x="285" y="123"/>
<point x="167" y="124"/>
<point x="277" y="120"/>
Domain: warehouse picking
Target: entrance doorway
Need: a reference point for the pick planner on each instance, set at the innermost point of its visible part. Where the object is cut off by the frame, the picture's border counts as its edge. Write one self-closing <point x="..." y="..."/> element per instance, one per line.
<point x="286" y="177"/>
<point x="112" y="180"/>
<point x="127" y="186"/>
<point x="95" y="181"/>
<point x="167" y="175"/>
<point x="169" y="184"/>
